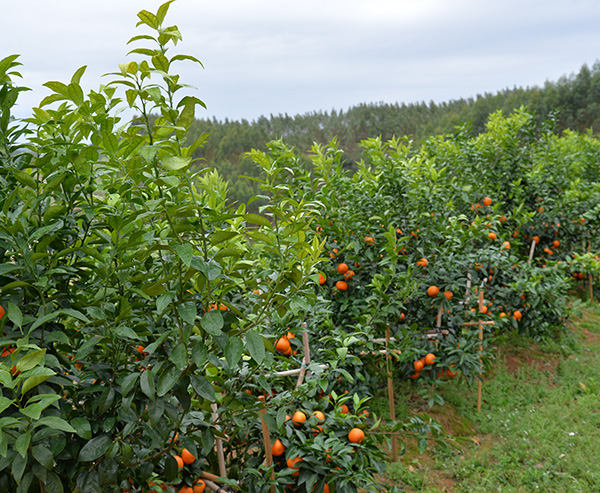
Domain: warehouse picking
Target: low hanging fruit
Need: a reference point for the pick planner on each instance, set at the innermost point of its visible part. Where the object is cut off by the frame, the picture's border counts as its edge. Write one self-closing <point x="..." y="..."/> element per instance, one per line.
<point x="342" y="285"/>
<point x="342" y="268"/>
<point x="356" y="435"/>
<point x="433" y="291"/>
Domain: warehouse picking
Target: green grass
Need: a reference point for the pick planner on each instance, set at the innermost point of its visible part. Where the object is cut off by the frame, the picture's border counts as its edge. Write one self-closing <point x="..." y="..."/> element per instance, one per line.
<point x="539" y="429"/>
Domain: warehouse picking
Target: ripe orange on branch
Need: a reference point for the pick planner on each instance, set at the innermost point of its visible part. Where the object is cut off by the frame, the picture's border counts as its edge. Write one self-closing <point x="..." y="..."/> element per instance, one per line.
<point x="433" y="291"/>
<point x="342" y="285"/>
<point x="342" y="268"/>
<point x="429" y="359"/>
<point x="487" y="201"/>
<point x="278" y="448"/>
<point x="187" y="456"/>
<point x="283" y="345"/>
<point x="291" y="463"/>
<point x="299" y="418"/>
<point x="356" y="435"/>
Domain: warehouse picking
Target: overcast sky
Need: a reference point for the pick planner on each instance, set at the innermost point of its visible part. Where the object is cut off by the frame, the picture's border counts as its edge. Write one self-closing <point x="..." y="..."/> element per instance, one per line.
<point x="265" y="57"/>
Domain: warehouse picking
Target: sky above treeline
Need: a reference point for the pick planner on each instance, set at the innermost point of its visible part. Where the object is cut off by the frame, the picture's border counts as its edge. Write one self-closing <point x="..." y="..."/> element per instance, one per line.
<point x="264" y="57"/>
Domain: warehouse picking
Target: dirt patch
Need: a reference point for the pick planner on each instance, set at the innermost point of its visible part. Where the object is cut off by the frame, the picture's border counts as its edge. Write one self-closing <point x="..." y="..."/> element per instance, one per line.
<point x="513" y="361"/>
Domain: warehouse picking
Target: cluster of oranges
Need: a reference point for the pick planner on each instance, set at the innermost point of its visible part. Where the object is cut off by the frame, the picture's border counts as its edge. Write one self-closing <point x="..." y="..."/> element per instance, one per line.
<point x="355" y="436"/>
<point x="283" y="344"/>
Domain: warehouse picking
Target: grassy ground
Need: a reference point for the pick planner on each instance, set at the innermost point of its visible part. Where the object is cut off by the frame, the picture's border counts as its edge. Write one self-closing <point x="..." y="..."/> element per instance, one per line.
<point x="539" y="429"/>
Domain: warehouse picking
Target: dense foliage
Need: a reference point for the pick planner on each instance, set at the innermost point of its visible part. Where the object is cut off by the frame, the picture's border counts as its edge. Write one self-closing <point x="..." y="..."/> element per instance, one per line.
<point x="144" y="321"/>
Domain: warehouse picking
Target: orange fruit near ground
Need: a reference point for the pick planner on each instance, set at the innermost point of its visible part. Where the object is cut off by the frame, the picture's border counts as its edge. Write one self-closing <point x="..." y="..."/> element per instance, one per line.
<point x="502" y="314"/>
<point x="291" y="463"/>
<point x="414" y="376"/>
<point x="356" y="435"/>
<point x="199" y="486"/>
<point x="299" y="418"/>
<point x="517" y="315"/>
<point x="556" y="243"/>
<point x="283" y="345"/>
<point x="277" y="448"/>
<point x="429" y="359"/>
<point x="487" y="201"/>
<point x="448" y="295"/>
<point x="321" y="278"/>
<point x="419" y="365"/>
<point x="319" y="415"/>
<point x="2" y="312"/>
<point x="342" y="268"/>
<point x="186" y="489"/>
<point x="506" y="245"/>
<point x="180" y="462"/>
<point x="492" y="235"/>
<point x="187" y="456"/>
<point x="342" y="285"/>
<point x="422" y="262"/>
<point x="433" y="291"/>
<point x="369" y="240"/>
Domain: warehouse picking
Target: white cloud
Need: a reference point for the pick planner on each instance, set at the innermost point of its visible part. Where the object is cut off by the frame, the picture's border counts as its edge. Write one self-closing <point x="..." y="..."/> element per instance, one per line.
<point x="272" y="56"/>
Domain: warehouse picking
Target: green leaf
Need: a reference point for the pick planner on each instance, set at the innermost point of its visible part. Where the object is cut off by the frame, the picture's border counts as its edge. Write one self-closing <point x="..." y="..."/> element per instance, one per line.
<point x="162" y="11"/>
<point x="6" y="268"/>
<point x="187" y="311"/>
<point x="34" y="381"/>
<point x="256" y="346"/>
<point x="18" y="467"/>
<point x="199" y="353"/>
<point x="25" y="178"/>
<point x="125" y="332"/>
<point x="186" y="57"/>
<point x="171" y="468"/>
<point x="147" y="18"/>
<point x="43" y="320"/>
<point x="22" y="443"/>
<point x="185" y="252"/>
<point x="78" y="74"/>
<point x="5" y="403"/>
<point x="161" y="62"/>
<point x="43" y="456"/>
<point x="212" y="322"/>
<point x="57" y="87"/>
<point x="13" y="312"/>
<point x="179" y="356"/>
<point x="30" y="360"/>
<point x="129" y="383"/>
<point x="265" y="238"/>
<point x="95" y="448"/>
<point x="233" y="351"/>
<point x="56" y="423"/>
<point x="76" y="94"/>
<point x="82" y="427"/>
<point x="147" y="384"/>
<point x="176" y="162"/>
<point x="203" y="387"/>
<point x="32" y="411"/>
<point x="167" y="379"/>
<point x="221" y="236"/>
<point x="258" y="219"/>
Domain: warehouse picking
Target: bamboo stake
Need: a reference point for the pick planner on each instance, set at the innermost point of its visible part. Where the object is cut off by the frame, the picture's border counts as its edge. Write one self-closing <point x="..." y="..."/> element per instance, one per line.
<point x="531" y="250"/>
<point x="289" y="373"/>
<point x="267" y="442"/>
<point x="391" y="396"/>
<point x="590" y="278"/>
<point x="219" y="445"/>
<point x="305" y="359"/>
<point x="479" y="385"/>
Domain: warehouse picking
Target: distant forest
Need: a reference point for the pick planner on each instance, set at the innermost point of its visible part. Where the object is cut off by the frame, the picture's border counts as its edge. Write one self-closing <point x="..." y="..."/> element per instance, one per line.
<point x="572" y="102"/>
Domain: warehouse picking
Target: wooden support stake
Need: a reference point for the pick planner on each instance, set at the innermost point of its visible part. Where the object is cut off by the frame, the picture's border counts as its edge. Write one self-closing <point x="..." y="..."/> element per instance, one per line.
<point x="305" y="359"/>
<point x="591" y="280"/>
<point x="479" y="385"/>
<point x="531" y="250"/>
<point x="219" y="445"/>
<point x="267" y="441"/>
<point x="391" y="395"/>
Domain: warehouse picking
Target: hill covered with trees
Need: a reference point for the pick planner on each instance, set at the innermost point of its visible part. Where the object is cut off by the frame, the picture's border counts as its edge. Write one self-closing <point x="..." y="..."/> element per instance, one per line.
<point x="572" y="102"/>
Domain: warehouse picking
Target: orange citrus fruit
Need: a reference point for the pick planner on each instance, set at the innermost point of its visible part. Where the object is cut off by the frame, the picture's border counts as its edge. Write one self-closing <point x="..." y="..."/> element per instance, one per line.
<point x="342" y="285"/>
<point x="187" y="456"/>
<point x="277" y="448"/>
<point x="356" y="435"/>
<point x="342" y="268"/>
<point x="433" y="291"/>
<point x="299" y="418"/>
